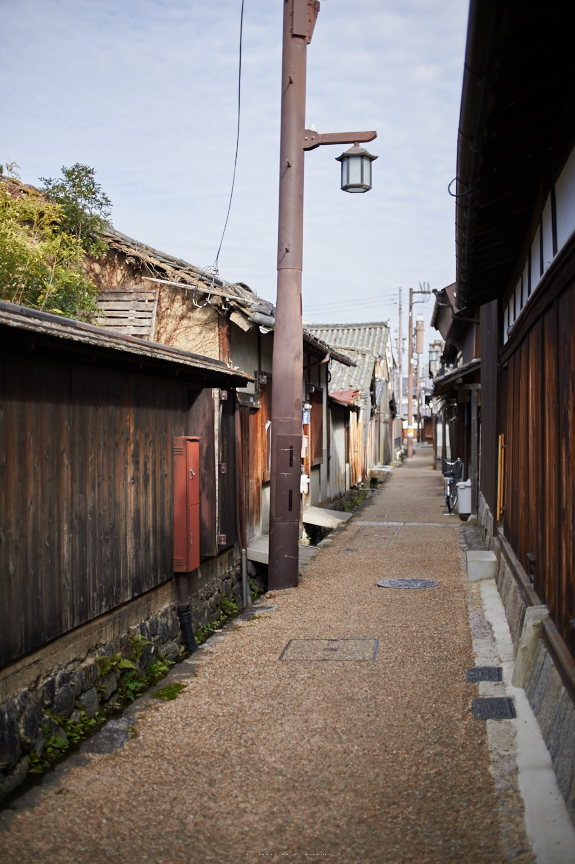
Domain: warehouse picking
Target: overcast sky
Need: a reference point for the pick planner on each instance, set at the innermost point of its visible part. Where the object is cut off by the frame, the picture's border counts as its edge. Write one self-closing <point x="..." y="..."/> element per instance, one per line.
<point x="145" y="92"/>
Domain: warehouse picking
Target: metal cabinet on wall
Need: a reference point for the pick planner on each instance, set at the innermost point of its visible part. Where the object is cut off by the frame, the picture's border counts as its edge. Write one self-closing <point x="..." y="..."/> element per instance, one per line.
<point x="186" y="504"/>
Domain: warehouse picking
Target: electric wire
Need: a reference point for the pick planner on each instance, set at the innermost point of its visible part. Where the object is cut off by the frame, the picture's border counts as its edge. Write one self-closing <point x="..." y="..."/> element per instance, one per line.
<point x="343" y="303"/>
<point x="237" y="138"/>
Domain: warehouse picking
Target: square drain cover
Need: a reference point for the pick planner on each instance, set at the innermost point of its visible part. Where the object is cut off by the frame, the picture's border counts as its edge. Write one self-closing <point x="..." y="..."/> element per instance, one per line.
<point x="484" y="673"/>
<point x="494" y="708"/>
<point x="331" y="649"/>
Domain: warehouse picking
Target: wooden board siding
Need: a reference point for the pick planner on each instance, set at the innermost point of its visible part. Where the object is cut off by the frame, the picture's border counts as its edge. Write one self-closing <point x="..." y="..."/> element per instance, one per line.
<point x="566" y="461"/>
<point x="227" y="480"/>
<point x="489" y="330"/>
<point x="201" y="423"/>
<point x="132" y="312"/>
<point x="339" y="418"/>
<point x="255" y="468"/>
<point x="85" y="493"/>
<point x="537" y="417"/>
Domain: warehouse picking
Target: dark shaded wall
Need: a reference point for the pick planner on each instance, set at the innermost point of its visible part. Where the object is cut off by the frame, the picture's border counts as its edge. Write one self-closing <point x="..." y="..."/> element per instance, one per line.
<point x="86" y="519"/>
<point x="490" y="343"/>
<point x="538" y="419"/>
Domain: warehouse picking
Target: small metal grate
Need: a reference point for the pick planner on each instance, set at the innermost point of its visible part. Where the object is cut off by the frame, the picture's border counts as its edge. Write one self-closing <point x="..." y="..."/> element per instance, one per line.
<point x="350" y="549"/>
<point x="484" y="673"/>
<point x="331" y="649"/>
<point x="493" y="708"/>
<point x="407" y="583"/>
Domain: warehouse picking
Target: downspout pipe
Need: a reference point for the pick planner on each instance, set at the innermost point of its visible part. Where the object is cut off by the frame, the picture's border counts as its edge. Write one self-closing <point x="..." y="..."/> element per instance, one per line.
<point x="484" y="29"/>
<point x="185" y="614"/>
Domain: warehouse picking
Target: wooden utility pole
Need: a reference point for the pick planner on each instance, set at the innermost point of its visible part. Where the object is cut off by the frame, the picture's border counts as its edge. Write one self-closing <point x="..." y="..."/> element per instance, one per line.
<point x="400" y="363"/>
<point x="286" y="431"/>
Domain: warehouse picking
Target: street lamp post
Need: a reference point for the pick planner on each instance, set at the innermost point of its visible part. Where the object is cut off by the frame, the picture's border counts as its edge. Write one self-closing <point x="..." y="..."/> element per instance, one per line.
<point x="299" y="21"/>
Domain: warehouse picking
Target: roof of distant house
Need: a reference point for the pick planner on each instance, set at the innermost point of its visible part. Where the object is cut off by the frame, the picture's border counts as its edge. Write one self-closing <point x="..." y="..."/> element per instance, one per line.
<point x="363" y="343"/>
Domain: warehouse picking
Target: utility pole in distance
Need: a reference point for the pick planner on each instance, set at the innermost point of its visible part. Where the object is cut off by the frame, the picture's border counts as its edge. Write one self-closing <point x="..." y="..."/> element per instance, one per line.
<point x="400" y="365"/>
<point x="410" y="352"/>
<point x="410" y="378"/>
<point x="286" y="430"/>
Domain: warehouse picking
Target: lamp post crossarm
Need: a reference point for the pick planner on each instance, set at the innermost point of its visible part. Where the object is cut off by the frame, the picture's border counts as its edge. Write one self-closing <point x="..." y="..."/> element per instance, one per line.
<point x="312" y="139"/>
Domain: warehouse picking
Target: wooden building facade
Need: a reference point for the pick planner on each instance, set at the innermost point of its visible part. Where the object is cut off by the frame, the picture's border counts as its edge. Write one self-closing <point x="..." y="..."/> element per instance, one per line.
<point x="515" y="231"/>
<point x="87" y="423"/>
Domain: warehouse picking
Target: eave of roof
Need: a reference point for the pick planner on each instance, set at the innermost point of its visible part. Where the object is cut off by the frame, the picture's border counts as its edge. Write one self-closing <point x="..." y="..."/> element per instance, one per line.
<point x="444" y="383"/>
<point x="57" y="329"/>
<point x="324" y="348"/>
<point x="517" y="122"/>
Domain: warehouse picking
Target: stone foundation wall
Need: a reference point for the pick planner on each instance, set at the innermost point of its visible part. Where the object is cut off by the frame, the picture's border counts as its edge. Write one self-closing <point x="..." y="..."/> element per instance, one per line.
<point x="555" y="714"/>
<point x="63" y="679"/>
<point x="549" y="700"/>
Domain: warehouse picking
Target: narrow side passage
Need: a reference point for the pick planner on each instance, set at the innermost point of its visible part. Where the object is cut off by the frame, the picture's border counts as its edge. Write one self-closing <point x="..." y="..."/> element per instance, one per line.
<point x="324" y="753"/>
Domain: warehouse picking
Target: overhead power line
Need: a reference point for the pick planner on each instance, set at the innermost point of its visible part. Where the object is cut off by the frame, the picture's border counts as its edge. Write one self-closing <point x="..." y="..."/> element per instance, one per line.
<point x="237" y="137"/>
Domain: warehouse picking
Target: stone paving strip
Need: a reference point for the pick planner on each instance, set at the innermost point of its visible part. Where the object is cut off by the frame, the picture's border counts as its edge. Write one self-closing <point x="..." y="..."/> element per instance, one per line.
<point x="272" y="754"/>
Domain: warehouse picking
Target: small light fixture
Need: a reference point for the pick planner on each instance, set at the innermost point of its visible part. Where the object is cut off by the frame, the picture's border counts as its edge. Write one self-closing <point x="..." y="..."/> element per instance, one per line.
<point x="356" y="169"/>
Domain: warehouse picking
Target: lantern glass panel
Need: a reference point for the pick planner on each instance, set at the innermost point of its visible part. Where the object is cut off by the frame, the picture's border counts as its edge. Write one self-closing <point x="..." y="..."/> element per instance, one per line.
<point x="366" y="170"/>
<point x="344" y="172"/>
<point x="355" y="169"/>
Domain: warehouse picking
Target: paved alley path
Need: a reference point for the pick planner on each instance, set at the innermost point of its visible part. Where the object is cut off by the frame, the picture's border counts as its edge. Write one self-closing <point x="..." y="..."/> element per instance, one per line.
<point x="370" y="761"/>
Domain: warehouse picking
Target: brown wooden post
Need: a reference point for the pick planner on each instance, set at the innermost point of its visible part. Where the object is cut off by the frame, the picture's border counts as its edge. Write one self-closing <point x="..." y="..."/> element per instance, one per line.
<point x="288" y="337"/>
<point x="298" y="25"/>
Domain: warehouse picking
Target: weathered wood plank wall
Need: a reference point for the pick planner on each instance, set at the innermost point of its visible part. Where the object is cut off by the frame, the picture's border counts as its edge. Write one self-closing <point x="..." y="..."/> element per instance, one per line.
<point x="86" y="490"/>
<point x="537" y="417"/>
<point x="489" y="331"/>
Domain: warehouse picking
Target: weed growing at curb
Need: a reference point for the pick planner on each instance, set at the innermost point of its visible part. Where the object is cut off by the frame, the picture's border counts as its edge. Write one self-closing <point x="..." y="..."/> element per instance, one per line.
<point x="170" y="692"/>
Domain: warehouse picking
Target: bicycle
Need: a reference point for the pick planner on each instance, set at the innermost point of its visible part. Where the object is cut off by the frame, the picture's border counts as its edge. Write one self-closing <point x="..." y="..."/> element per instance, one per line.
<point x="452" y="471"/>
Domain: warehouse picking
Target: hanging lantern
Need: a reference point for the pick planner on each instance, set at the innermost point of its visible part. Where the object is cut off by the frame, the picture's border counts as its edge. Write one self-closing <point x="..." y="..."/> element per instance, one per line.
<point x="356" y="169"/>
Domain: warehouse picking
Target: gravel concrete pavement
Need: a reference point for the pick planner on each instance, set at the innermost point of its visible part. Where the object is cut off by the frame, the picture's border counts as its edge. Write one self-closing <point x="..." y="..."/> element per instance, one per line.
<point x="377" y="761"/>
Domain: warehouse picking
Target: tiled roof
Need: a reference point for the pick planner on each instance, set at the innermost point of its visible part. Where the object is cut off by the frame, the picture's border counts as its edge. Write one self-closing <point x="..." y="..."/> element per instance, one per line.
<point x="363" y="343"/>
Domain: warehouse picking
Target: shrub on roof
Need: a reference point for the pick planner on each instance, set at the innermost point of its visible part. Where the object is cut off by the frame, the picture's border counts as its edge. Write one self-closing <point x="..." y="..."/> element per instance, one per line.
<point x="44" y="238"/>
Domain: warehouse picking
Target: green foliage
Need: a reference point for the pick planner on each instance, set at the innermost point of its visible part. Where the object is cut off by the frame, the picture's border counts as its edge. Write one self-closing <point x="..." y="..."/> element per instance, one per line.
<point x="84" y="208"/>
<point x="45" y="236"/>
<point x="170" y="692"/>
<point x="138" y="644"/>
<point x="39" y="264"/>
<point x="131" y="685"/>
<point x="255" y="589"/>
<point x="10" y="170"/>
<point x="37" y="764"/>
<point x="229" y="607"/>
<point x="105" y="664"/>
<point x="160" y="668"/>
<point x="354" y="502"/>
<point x="229" y="610"/>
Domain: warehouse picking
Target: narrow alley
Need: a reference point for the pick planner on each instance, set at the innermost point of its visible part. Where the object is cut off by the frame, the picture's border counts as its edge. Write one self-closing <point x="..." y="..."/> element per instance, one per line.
<point x="330" y="721"/>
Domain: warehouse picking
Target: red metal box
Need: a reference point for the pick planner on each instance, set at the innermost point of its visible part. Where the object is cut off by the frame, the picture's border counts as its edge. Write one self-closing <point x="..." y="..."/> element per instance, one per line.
<point x="186" y="504"/>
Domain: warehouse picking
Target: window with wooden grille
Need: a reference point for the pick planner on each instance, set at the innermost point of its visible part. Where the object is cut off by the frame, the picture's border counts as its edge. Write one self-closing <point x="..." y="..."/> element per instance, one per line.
<point x="316" y="430"/>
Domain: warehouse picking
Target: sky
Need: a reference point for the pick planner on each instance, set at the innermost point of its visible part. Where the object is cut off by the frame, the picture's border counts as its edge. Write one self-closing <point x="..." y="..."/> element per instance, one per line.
<point x="145" y="92"/>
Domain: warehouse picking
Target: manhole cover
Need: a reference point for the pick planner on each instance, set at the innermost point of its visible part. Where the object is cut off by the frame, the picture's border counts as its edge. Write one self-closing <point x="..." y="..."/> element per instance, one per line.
<point x="494" y="708"/>
<point x="331" y="649"/>
<point x="407" y="583"/>
<point x="348" y="549"/>
<point x="484" y="673"/>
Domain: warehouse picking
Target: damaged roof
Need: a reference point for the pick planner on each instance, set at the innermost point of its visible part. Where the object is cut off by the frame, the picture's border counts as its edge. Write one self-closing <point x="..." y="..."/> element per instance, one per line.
<point x="246" y="309"/>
